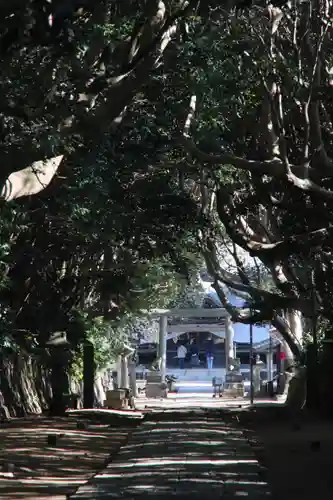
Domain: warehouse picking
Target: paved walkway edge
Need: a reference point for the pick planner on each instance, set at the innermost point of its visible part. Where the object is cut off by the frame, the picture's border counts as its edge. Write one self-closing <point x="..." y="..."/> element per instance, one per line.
<point x="107" y="461"/>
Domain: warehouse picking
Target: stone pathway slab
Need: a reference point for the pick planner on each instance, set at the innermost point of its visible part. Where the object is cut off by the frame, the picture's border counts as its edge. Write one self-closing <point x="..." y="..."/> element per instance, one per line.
<point x="181" y="455"/>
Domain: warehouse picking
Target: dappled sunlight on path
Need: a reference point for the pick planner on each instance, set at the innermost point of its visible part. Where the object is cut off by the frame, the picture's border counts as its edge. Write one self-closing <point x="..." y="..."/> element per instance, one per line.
<point x="185" y="455"/>
<point x="48" y="458"/>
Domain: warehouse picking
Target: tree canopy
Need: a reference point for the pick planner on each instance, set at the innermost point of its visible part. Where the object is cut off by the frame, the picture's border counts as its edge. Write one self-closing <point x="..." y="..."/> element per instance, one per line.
<point x="272" y="147"/>
<point x="138" y="138"/>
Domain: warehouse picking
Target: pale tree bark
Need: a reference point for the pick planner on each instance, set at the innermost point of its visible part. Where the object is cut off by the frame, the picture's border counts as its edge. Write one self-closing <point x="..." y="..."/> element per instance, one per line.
<point x="296" y="324"/>
<point x="31" y="180"/>
<point x="293" y="319"/>
<point x="295" y="389"/>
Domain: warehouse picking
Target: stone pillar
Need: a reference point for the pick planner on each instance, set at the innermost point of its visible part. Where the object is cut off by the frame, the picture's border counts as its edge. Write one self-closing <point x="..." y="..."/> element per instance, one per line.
<point x="118" y="364"/>
<point x="229" y="343"/>
<point x="124" y="373"/>
<point x="269" y="366"/>
<point x="132" y="377"/>
<point x="162" y="345"/>
<point x="88" y="375"/>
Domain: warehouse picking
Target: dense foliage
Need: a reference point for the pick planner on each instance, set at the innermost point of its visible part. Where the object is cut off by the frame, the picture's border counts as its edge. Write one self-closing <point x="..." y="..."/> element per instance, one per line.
<point x="113" y="232"/>
<point x="269" y="169"/>
<point x="152" y="132"/>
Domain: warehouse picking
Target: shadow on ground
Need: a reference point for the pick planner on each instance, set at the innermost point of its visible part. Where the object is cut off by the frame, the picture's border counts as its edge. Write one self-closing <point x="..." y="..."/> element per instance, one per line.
<point x="297" y="451"/>
<point x="183" y="454"/>
<point x="33" y="466"/>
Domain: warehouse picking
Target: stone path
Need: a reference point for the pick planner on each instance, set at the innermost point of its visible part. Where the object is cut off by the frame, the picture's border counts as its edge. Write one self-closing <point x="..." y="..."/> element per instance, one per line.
<point x="183" y="455"/>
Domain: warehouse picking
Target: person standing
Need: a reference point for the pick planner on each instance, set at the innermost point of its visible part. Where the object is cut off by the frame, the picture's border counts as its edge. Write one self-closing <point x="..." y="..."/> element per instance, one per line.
<point x="210" y="360"/>
<point x="194" y="354"/>
<point x="209" y="353"/>
<point x="181" y="355"/>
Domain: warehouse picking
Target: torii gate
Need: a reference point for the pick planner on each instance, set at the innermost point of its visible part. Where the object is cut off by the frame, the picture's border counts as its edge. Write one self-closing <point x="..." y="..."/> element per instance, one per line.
<point x="169" y="331"/>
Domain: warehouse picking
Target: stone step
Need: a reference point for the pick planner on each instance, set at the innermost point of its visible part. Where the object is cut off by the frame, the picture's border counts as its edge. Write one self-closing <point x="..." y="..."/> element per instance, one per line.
<point x="200" y="374"/>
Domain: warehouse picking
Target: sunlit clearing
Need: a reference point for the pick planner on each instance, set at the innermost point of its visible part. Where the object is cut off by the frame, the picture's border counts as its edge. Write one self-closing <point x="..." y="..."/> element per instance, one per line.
<point x="188" y="424"/>
<point x="184" y="443"/>
<point x="84" y="435"/>
<point x="206" y="443"/>
<point x="245" y="483"/>
<point x="196" y="480"/>
<point x="230" y="474"/>
<point x="63" y="432"/>
<point x="38" y="453"/>
<point x="183" y="431"/>
<point x="56" y="481"/>
<point x="134" y="475"/>
<point x="139" y="445"/>
<point x="149" y="463"/>
<point x="183" y="474"/>
<point x="143" y="487"/>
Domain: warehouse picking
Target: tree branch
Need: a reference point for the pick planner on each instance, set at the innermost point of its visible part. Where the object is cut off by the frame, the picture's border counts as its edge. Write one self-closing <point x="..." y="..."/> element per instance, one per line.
<point x="30" y="180"/>
<point x="282" y="249"/>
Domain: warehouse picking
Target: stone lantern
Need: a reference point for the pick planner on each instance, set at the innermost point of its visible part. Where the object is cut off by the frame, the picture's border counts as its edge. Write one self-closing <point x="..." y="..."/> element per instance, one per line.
<point x="126" y="352"/>
<point x="60" y="357"/>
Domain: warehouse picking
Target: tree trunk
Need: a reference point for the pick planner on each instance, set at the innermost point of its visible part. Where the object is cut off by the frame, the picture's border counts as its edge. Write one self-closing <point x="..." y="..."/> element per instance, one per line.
<point x="296" y="391"/>
<point x="295" y="324"/>
<point x="325" y="377"/>
<point x="294" y="375"/>
<point x="24" y="384"/>
<point x="313" y="399"/>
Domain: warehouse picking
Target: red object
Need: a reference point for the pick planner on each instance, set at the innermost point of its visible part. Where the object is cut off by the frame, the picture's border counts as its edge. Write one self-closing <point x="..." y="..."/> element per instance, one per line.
<point x="282" y="356"/>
